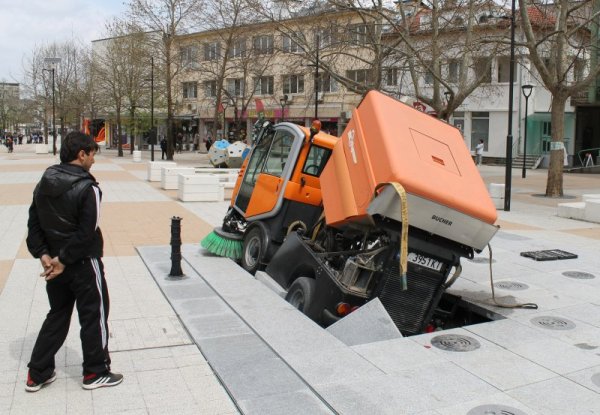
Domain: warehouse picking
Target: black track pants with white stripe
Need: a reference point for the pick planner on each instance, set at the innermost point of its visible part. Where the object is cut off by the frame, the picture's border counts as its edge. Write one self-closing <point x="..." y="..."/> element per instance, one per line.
<point x="81" y="283"/>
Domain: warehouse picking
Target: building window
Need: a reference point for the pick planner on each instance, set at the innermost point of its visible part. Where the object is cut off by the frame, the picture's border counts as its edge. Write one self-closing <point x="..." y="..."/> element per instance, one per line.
<point x="579" y="69"/>
<point x="263" y="44"/>
<point x="210" y="88"/>
<point x="453" y="70"/>
<point x="290" y="45"/>
<point x="235" y="87"/>
<point x="391" y="76"/>
<point x="188" y="56"/>
<point x="190" y="90"/>
<point x="238" y="49"/>
<point x="358" y="34"/>
<point x="327" y="83"/>
<point x="293" y="84"/>
<point x="360" y="76"/>
<point x="212" y="51"/>
<point x="264" y="85"/>
<point x="326" y="37"/>
<point x="428" y="77"/>
<point x="483" y="70"/>
<point x="480" y="128"/>
<point x="504" y="69"/>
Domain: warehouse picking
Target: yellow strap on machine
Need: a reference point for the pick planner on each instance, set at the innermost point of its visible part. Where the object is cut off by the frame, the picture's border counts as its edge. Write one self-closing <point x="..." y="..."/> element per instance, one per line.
<point x="404" y="233"/>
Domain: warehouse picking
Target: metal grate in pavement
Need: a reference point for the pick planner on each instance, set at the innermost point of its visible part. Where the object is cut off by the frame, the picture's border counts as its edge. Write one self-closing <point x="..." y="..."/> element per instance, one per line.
<point x="455" y="343"/>
<point x="511" y="285"/>
<point x="548" y="255"/>
<point x="495" y="410"/>
<point x="553" y="323"/>
<point x="579" y="275"/>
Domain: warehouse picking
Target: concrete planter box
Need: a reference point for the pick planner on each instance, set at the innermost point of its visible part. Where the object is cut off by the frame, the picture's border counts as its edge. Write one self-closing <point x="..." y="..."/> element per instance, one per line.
<point x="168" y="176"/>
<point x="154" y="169"/>
<point x="200" y="188"/>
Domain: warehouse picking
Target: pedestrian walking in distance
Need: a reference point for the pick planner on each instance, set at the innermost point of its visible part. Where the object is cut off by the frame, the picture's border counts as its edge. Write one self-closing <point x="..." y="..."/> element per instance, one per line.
<point x="479" y="152"/>
<point x="63" y="233"/>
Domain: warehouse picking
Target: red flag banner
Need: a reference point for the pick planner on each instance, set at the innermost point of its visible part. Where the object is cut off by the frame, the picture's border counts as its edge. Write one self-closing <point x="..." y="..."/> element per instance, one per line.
<point x="260" y="107"/>
<point x="221" y="108"/>
<point x="86" y="126"/>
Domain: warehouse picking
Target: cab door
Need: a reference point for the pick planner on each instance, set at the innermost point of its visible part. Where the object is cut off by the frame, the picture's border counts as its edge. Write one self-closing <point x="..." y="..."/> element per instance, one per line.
<point x="268" y="170"/>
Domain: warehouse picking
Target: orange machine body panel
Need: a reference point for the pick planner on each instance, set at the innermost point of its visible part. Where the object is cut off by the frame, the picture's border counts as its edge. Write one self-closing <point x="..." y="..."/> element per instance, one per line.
<point x="301" y="187"/>
<point x="388" y="141"/>
<point x="265" y="195"/>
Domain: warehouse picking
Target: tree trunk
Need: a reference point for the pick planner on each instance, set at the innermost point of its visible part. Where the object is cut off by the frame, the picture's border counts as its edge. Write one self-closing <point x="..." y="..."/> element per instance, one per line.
<point x="554" y="183"/>
<point x="132" y="130"/>
<point x="119" y="131"/>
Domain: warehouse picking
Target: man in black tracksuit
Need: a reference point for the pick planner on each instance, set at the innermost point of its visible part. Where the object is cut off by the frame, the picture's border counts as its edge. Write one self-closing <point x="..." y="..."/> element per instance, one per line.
<point x="64" y="235"/>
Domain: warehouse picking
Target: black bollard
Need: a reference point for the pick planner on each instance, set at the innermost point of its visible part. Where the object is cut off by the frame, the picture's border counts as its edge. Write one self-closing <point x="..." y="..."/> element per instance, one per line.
<point x="176" y="247"/>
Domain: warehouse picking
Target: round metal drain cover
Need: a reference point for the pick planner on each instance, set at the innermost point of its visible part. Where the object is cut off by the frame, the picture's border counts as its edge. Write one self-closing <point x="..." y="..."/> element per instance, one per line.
<point x="596" y="379"/>
<point x="455" y="343"/>
<point x="579" y="275"/>
<point x="495" y="410"/>
<point x="553" y="323"/>
<point x="511" y="285"/>
<point x="482" y="260"/>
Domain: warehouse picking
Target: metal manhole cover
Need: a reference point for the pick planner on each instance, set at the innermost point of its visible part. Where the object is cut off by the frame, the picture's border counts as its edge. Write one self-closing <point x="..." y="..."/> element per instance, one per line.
<point x="553" y="323"/>
<point x="495" y="410"/>
<point x="455" y="343"/>
<point x="482" y="260"/>
<point x="579" y="275"/>
<point x="511" y="285"/>
<point x="596" y="379"/>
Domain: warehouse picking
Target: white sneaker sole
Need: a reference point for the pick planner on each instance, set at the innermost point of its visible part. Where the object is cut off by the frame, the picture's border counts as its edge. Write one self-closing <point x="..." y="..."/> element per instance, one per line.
<point x="100" y="385"/>
<point x="41" y="385"/>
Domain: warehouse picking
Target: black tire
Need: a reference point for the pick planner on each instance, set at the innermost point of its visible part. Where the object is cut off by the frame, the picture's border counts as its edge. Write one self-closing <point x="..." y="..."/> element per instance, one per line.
<point x="302" y="296"/>
<point x="254" y="250"/>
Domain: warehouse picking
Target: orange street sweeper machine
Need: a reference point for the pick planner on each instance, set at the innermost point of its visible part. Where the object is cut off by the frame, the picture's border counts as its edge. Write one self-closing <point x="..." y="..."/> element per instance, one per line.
<point x="387" y="210"/>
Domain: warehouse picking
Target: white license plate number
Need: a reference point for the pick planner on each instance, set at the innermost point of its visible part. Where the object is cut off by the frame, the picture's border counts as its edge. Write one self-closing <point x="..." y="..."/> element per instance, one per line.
<point x="424" y="261"/>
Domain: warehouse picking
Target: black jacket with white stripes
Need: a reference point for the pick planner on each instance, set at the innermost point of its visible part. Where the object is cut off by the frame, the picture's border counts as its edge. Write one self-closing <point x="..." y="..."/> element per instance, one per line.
<point x="64" y="214"/>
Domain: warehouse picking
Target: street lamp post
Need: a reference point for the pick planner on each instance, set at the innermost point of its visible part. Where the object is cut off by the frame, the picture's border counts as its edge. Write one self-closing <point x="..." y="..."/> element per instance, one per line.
<point x="53" y="62"/>
<point x="526" y="93"/>
<point x="154" y="135"/>
<point x="509" y="137"/>
<point x="317" y="45"/>
<point x="283" y="101"/>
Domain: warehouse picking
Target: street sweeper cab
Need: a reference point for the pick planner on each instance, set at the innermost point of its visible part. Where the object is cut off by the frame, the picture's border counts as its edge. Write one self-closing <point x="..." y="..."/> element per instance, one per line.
<point x="387" y="210"/>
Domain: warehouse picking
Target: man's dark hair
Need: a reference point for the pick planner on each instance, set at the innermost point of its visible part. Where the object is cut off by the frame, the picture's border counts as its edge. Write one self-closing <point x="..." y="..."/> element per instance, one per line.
<point x="73" y="143"/>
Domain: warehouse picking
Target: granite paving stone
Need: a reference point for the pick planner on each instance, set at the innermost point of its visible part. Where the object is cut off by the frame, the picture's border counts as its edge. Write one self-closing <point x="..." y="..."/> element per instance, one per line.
<point x="558" y="396"/>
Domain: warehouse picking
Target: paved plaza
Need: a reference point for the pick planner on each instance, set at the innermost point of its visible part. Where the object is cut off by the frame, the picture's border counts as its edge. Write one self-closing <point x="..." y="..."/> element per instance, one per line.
<point x="220" y="342"/>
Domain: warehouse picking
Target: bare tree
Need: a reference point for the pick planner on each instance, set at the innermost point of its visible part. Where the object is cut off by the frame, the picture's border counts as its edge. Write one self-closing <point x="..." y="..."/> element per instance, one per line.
<point x="166" y="19"/>
<point x="234" y="60"/>
<point x="559" y="37"/>
<point x="70" y="80"/>
<point x="110" y="74"/>
<point x="376" y="44"/>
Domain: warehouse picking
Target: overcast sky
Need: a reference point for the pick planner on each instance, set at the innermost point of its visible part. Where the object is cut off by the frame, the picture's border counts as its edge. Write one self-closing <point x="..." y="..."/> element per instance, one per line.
<point x="27" y="23"/>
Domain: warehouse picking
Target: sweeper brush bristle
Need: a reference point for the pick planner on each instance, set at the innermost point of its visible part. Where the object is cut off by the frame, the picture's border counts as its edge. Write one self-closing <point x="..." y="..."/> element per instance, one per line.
<point x="224" y="244"/>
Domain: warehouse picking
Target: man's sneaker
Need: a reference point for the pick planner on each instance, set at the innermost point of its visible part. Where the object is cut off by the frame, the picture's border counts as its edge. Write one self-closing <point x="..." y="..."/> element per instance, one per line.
<point x="31" y="386"/>
<point x="95" y="381"/>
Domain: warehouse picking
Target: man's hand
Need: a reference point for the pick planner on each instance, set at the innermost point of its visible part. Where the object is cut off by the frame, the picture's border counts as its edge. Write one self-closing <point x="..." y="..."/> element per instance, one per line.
<point x="46" y="264"/>
<point x="56" y="268"/>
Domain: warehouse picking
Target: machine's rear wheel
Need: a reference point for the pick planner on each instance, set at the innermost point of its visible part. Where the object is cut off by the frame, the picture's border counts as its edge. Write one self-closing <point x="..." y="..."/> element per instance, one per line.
<point x="254" y="250"/>
<point x="301" y="295"/>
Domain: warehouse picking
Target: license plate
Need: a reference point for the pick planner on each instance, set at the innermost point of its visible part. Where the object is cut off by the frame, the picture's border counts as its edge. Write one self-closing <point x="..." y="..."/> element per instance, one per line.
<point x="424" y="261"/>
